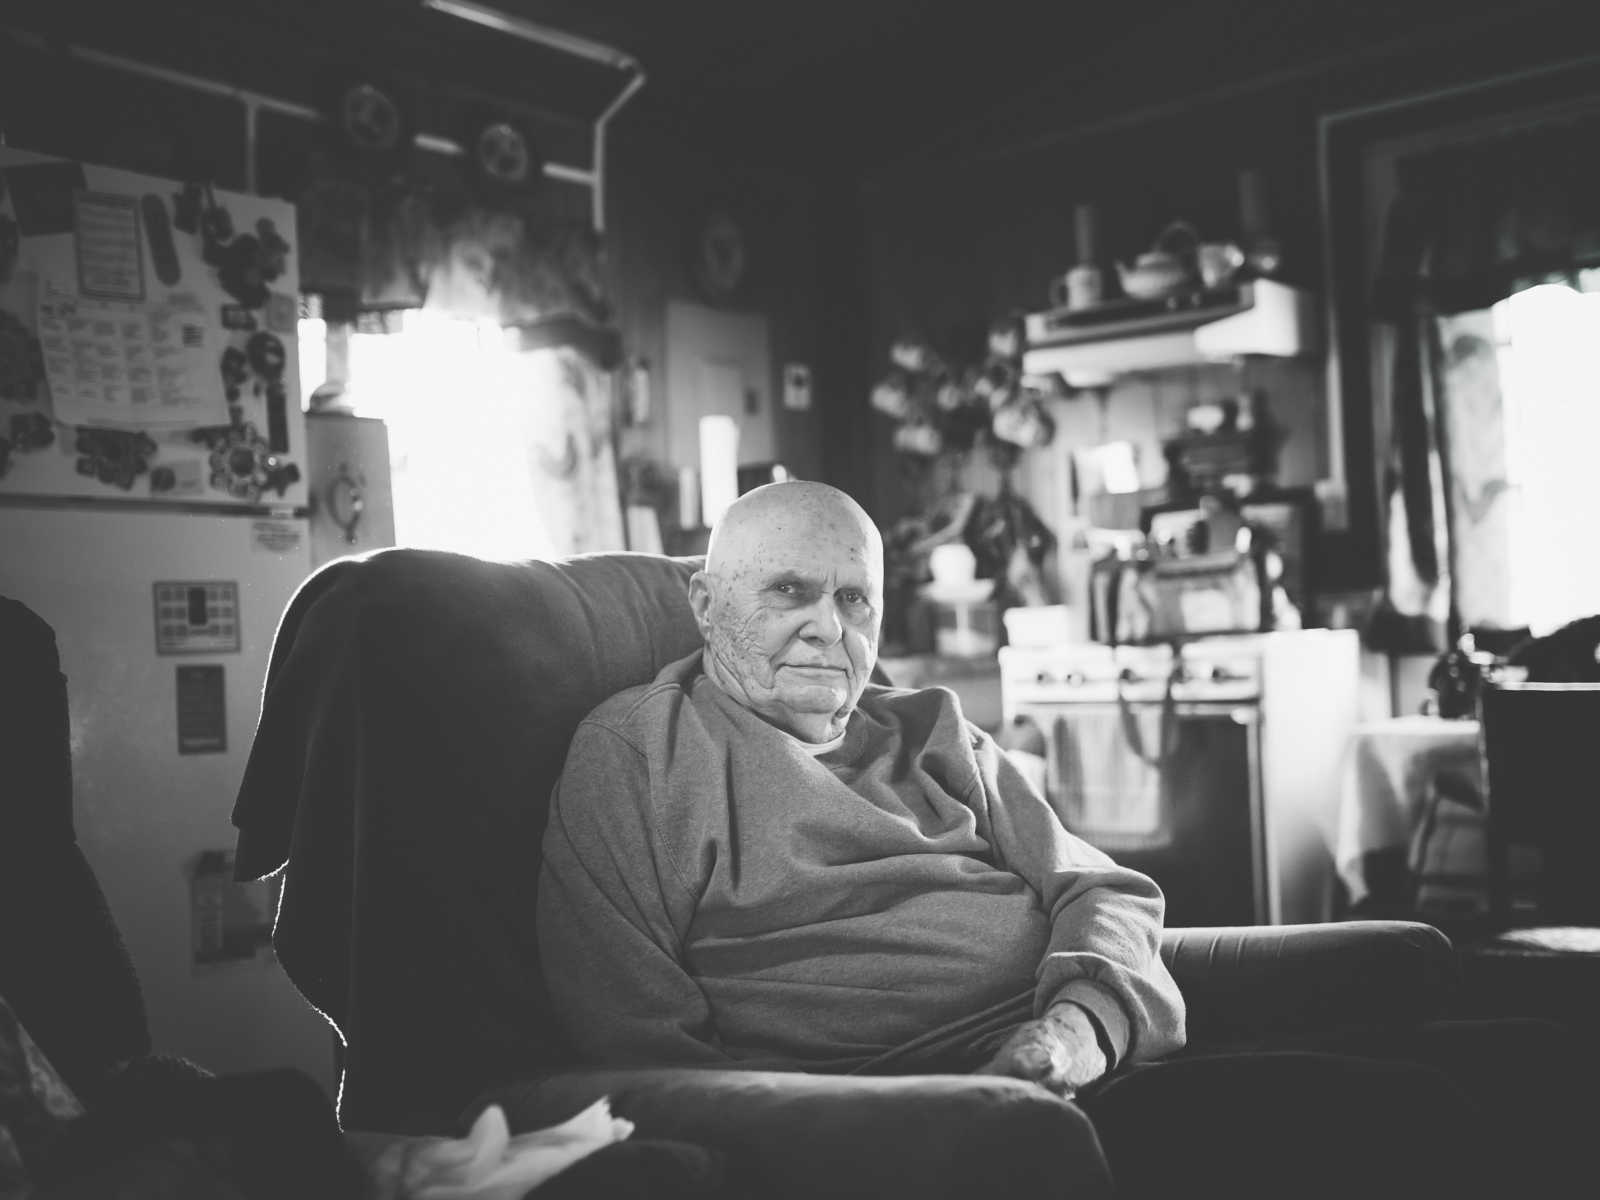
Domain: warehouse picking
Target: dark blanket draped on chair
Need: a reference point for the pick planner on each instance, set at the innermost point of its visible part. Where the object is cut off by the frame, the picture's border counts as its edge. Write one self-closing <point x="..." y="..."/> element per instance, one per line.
<point x="1471" y="225"/>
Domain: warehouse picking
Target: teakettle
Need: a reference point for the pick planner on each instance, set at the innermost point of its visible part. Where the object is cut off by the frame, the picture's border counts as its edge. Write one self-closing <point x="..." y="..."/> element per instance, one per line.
<point x="1164" y="269"/>
<point x="1154" y="273"/>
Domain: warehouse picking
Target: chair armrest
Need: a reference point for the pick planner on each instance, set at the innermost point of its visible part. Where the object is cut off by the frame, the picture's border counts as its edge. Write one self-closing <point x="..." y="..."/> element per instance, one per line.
<point x="802" y="1135"/>
<point x="1244" y="984"/>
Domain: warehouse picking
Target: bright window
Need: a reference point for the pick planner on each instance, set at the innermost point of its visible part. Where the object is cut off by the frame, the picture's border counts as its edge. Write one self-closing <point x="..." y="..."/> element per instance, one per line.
<point x="1549" y="354"/>
<point x="463" y="410"/>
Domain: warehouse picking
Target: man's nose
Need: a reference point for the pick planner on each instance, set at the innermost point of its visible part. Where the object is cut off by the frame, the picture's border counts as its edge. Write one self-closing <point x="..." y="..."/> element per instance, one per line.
<point x="823" y="626"/>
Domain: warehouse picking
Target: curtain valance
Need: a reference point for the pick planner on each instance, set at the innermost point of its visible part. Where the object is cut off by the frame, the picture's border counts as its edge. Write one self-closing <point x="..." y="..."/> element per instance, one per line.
<point x="535" y="265"/>
<point x="1472" y="224"/>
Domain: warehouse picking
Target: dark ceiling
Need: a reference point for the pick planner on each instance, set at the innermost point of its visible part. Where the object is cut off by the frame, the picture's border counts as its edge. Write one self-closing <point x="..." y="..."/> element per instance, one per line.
<point x="865" y="81"/>
<point x="804" y="78"/>
<point x="840" y="82"/>
<point x="844" y="77"/>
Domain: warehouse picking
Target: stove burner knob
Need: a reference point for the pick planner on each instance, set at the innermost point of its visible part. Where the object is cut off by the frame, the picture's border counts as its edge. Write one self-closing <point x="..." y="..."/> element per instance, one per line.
<point x="1073" y="678"/>
<point x="1220" y="674"/>
<point x="1044" y="677"/>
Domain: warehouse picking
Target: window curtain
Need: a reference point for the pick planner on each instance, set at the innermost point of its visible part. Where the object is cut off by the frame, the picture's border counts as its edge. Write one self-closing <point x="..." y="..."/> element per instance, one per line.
<point x="569" y="456"/>
<point x="533" y="265"/>
<point x="1469" y="226"/>
<point x="497" y="449"/>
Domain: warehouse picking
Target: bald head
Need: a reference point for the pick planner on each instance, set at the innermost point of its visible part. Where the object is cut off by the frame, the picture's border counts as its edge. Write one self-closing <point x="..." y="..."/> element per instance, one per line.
<point x="790" y="603"/>
<point x="777" y="512"/>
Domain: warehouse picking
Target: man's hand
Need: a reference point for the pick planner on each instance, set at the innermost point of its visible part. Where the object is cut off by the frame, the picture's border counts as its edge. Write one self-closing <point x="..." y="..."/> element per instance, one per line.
<point x="1059" y="1051"/>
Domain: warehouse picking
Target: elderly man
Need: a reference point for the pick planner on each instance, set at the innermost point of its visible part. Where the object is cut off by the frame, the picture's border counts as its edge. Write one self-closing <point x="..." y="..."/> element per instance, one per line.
<point x="760" y="859"/>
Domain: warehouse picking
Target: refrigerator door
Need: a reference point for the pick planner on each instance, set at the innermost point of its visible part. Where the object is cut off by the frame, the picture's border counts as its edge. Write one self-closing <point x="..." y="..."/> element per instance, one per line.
<point x="164" y="621"/>
<point x="148" y="339"/>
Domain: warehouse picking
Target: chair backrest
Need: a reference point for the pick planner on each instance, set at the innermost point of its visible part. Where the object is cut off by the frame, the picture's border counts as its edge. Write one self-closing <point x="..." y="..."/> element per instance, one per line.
<point x="416" y="713"/>
<point x="1541" y="752"/>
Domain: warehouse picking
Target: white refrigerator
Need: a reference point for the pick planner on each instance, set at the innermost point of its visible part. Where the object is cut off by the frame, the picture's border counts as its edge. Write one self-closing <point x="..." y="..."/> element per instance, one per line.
<point x="153" y="510"/>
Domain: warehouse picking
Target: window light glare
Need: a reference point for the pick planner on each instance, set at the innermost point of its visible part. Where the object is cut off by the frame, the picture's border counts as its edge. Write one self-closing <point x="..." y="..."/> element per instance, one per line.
<point x="468" y="415"/>
<point x="1550" y="380"/>
<point x="313" y="339"/>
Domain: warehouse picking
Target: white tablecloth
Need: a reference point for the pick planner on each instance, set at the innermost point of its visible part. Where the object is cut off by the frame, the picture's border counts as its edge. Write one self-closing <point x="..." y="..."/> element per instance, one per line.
<point x="1389" y="772"/>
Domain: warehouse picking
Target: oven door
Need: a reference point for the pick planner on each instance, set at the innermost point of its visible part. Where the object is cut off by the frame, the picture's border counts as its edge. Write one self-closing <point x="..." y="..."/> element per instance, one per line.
<point x="1172" y="790"/>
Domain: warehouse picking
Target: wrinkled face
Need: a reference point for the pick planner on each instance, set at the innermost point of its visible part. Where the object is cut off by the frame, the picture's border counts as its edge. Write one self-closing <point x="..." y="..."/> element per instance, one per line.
<point x="790" y="617"/>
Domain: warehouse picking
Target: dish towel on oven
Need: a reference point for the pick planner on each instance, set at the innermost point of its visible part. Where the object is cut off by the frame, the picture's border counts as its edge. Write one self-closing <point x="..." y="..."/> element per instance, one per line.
<point x="1108" y="793"/>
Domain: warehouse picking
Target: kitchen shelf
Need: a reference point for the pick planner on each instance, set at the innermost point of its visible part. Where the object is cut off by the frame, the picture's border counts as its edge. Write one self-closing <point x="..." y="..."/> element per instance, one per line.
<point x="1091" y="346"/>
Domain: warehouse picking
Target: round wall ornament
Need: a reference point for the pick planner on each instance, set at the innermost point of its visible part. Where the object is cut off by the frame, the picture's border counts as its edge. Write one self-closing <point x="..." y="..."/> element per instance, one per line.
<point x="371" y="119"/>
<point x="372" y="124"/>
<point x="503" y="163"/>
<point x="504" y="155"/>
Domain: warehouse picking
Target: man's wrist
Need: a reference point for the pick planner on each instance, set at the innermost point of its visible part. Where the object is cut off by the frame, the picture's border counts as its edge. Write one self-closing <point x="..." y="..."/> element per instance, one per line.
<point x="1101" y="1037"/>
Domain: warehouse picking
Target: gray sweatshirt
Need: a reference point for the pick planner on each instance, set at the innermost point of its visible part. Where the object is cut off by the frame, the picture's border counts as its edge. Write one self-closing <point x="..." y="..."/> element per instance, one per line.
<point x="715" y="892"/>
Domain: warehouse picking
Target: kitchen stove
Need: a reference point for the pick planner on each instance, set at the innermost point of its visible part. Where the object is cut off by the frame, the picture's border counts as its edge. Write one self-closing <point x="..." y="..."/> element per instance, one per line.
<point x="1210" y="670"/>
<point x="1211" y="765"/>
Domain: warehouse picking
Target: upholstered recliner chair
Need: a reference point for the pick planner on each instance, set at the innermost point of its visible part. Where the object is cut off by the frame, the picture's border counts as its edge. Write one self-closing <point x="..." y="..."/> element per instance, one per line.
<point x="416" y="714"/>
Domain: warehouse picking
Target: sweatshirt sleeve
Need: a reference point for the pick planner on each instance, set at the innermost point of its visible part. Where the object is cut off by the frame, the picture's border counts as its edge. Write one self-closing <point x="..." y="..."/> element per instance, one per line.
<point x="1105" y="944"/>
<point x="612" y="916"/>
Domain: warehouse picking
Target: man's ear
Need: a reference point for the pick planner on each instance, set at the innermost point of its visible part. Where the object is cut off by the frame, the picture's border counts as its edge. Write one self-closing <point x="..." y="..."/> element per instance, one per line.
<point x="700" y="600"/>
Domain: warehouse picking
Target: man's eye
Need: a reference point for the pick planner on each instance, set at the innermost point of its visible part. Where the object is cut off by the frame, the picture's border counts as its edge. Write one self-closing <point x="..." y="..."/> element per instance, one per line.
<point x="852" y="597"/>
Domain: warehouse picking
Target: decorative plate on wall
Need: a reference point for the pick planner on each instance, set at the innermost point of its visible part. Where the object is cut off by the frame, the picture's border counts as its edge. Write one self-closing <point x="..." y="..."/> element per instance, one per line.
<point x="504" y="162"/>
<point x="373" y="125"/>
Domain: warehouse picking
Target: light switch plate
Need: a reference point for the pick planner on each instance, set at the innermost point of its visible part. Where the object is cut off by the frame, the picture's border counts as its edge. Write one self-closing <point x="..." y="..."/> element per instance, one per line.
<point x="796" y="386"/>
